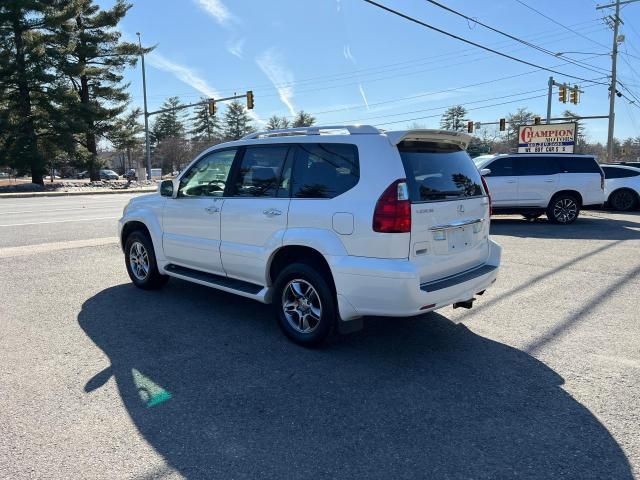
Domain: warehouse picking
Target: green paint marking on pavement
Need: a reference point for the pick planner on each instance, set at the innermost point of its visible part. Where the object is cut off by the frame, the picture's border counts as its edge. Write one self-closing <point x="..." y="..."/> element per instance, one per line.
<point x="150" y="393"/>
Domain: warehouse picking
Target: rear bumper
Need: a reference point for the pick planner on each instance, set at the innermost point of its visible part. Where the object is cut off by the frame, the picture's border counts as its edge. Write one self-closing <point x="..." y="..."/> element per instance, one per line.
<point x="369" y="286"/>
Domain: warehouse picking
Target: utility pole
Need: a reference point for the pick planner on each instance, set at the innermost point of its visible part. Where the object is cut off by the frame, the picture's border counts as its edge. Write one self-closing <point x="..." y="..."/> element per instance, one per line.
<point x="146" y="114"/>
<point x="549" y="100"/>
<point x="612" y="93"/>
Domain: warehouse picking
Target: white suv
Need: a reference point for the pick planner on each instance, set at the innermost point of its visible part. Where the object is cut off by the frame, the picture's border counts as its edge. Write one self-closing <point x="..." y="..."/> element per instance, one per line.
<point x="533" y="184"/>
<point x="327" y="223"/>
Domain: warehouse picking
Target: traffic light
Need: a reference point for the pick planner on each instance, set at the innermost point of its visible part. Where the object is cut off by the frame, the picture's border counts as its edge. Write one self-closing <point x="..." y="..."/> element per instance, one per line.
<point x="470" y="126"/>
<point x="562" y="93"/>
<point x="249" y="100"/>
<point x="503" y="124"/>
<point x="536" y="120"/>
<point x="574" y="95"/>
<point x="212" y="107"/>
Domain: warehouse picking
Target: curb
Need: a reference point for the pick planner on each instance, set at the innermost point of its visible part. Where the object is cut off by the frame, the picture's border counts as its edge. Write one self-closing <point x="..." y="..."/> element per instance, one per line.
<point x="73" y="194"/>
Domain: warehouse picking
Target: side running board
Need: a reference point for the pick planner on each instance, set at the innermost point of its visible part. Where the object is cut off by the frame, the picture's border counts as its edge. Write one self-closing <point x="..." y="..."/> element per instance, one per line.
<point x="214" y="280"/>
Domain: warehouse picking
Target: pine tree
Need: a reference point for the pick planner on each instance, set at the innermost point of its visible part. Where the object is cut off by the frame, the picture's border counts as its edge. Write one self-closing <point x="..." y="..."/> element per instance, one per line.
<point x="30" y="90"/>
<point x="169" y="124"/>
<point x="205" y="126"/>
<point x="303" y="119"/>
<point x="454" y="119"/>
<point x="236" y="122"/>
<point x="94" y="63"/>
<point x="277" y="123"/>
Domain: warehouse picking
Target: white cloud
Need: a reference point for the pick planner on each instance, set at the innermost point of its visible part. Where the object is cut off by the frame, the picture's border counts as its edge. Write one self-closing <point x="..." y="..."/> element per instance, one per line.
<point x="236" y="47"/>
<point x="272" y="64"/>
<point x="217" y="10"/>
<point x="182" y="73"/>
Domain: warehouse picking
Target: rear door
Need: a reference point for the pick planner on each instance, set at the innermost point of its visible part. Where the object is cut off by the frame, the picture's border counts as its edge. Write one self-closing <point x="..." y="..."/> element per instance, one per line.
<point x="254" y="216"/>
<point x="449" y="209"/>
<point x="503" y="182"/>
<point x="537" y="179"/>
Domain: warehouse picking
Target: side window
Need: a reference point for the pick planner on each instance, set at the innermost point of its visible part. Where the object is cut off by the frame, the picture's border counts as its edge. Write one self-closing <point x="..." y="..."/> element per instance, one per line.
<point x="579" y="164"/>
<point x="536" y="165"/>
<point x="261" y="172"/>
<point x="502" y="167"/>
<point x="324" y="170"/>
<point x="208" y="176"/>
<point x="612" y="172"/>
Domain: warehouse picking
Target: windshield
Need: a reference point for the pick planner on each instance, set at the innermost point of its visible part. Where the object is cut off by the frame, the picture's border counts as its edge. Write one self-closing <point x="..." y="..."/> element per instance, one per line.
<point x="439" y="171"/>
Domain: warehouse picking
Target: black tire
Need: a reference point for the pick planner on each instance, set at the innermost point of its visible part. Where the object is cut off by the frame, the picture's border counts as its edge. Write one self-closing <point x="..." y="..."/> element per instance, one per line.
<point x="301" y="300"/>
<point x="136" y="245"/>
<point x="563" y="209"/>
<point x="623" y="200"/>
<point x="531" y="216"/>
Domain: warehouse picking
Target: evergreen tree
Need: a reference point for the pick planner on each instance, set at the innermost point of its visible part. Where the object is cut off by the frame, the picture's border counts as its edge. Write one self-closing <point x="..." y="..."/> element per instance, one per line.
<point x="236" y="122"/>
<point x="303" y="119"/>
<point x="169" y="124"/>
<point x="205" y="126"/>
<point x="454" y="119"/>
<point x="94" y="63"/>
<point x="276" y="123"/>
<point x="30" y="90"/>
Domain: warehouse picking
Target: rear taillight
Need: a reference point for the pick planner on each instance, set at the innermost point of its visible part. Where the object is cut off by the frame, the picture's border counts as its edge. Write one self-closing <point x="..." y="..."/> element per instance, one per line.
<point x="486" y="190"/>
<point x="393" y="209"/>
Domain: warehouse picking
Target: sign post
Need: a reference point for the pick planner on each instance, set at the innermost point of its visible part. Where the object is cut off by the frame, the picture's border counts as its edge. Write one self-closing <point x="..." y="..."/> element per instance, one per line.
<point x="550" y="138"/>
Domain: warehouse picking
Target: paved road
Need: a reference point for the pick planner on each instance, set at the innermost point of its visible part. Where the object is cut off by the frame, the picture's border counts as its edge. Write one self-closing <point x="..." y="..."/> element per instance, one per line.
<point x="29" y="221"/>
<point x="539" y="380"/>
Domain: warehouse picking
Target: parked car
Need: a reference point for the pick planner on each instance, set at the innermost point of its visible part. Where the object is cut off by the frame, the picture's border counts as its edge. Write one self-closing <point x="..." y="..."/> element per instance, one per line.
<point x="108" y="175"/>
<point x="622" y="187"/>
<point x="130" y="174"/>
<point x="533" y="184"/>
<point x="84" y="174"/>
<point x="328" y="225"/>
<point x="629" y="164"/>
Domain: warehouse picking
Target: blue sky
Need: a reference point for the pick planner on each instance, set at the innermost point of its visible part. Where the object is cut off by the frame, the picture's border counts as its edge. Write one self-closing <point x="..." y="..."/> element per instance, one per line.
<point x="348" y="61"/>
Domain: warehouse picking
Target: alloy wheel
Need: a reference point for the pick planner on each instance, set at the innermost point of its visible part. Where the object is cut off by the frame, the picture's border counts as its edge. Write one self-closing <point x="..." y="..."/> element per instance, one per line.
<point x="565" y="210"/>
<point x="139" y="261"/>
<point x="301" y="306"/>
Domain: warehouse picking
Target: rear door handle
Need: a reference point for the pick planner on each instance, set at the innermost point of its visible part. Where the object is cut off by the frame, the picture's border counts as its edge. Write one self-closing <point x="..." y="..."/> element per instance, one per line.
<point x="212" y="209"/>
<point x="272" y="212"/>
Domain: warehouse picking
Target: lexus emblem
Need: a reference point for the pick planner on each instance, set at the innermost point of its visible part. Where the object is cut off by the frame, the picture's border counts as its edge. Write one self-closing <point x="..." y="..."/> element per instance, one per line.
<point x="460" y="208"/>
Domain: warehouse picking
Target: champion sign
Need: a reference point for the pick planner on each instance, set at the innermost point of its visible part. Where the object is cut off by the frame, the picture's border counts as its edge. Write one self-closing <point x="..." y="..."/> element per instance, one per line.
<point x="552" y="138"/>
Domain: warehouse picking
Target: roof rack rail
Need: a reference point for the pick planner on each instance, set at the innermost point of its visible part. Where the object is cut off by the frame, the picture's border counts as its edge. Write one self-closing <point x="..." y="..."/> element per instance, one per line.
<point x="313" y="130"/>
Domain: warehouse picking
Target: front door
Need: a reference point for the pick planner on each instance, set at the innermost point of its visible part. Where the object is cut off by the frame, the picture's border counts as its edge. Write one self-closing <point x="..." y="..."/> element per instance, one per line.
<point x="191" y="220"/>
<point x="503" y="182"/>
<point x="254" y="215"/>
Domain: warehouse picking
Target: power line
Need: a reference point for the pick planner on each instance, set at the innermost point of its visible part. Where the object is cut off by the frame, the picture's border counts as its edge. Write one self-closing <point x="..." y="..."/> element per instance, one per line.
<point x="512" y="37"/>
<point x="560" y="24"/>
<point x="475" y="108"/>
<point x="459" y="38"/>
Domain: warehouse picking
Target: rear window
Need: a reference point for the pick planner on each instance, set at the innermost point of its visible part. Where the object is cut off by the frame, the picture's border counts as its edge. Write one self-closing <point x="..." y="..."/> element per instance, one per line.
<point x="579" y="164"/>
<point x="324" y="170"/>
<point x="439" y="171"/>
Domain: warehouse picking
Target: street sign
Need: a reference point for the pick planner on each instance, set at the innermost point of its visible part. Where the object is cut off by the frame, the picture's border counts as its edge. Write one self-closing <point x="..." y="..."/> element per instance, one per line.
<point x="549" y="138"/>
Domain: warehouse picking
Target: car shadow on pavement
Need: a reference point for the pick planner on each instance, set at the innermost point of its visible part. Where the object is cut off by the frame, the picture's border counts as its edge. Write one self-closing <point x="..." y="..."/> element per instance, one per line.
<point x="217" y="390"/>
<point x="589" y="226"/>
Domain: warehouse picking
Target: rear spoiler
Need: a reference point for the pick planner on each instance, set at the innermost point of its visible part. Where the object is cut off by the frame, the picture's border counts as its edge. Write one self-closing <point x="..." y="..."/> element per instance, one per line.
<point x="429" y="135"/>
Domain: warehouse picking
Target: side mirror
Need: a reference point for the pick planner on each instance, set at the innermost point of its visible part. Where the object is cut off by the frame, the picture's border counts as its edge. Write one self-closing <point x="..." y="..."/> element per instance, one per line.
<point x="485" y="171"/>
<point x="166" y="188"/>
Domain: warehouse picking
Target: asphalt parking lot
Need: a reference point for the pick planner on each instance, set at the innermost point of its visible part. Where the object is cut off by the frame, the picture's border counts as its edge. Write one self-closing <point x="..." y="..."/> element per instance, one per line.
<point x="101" y="380"/>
